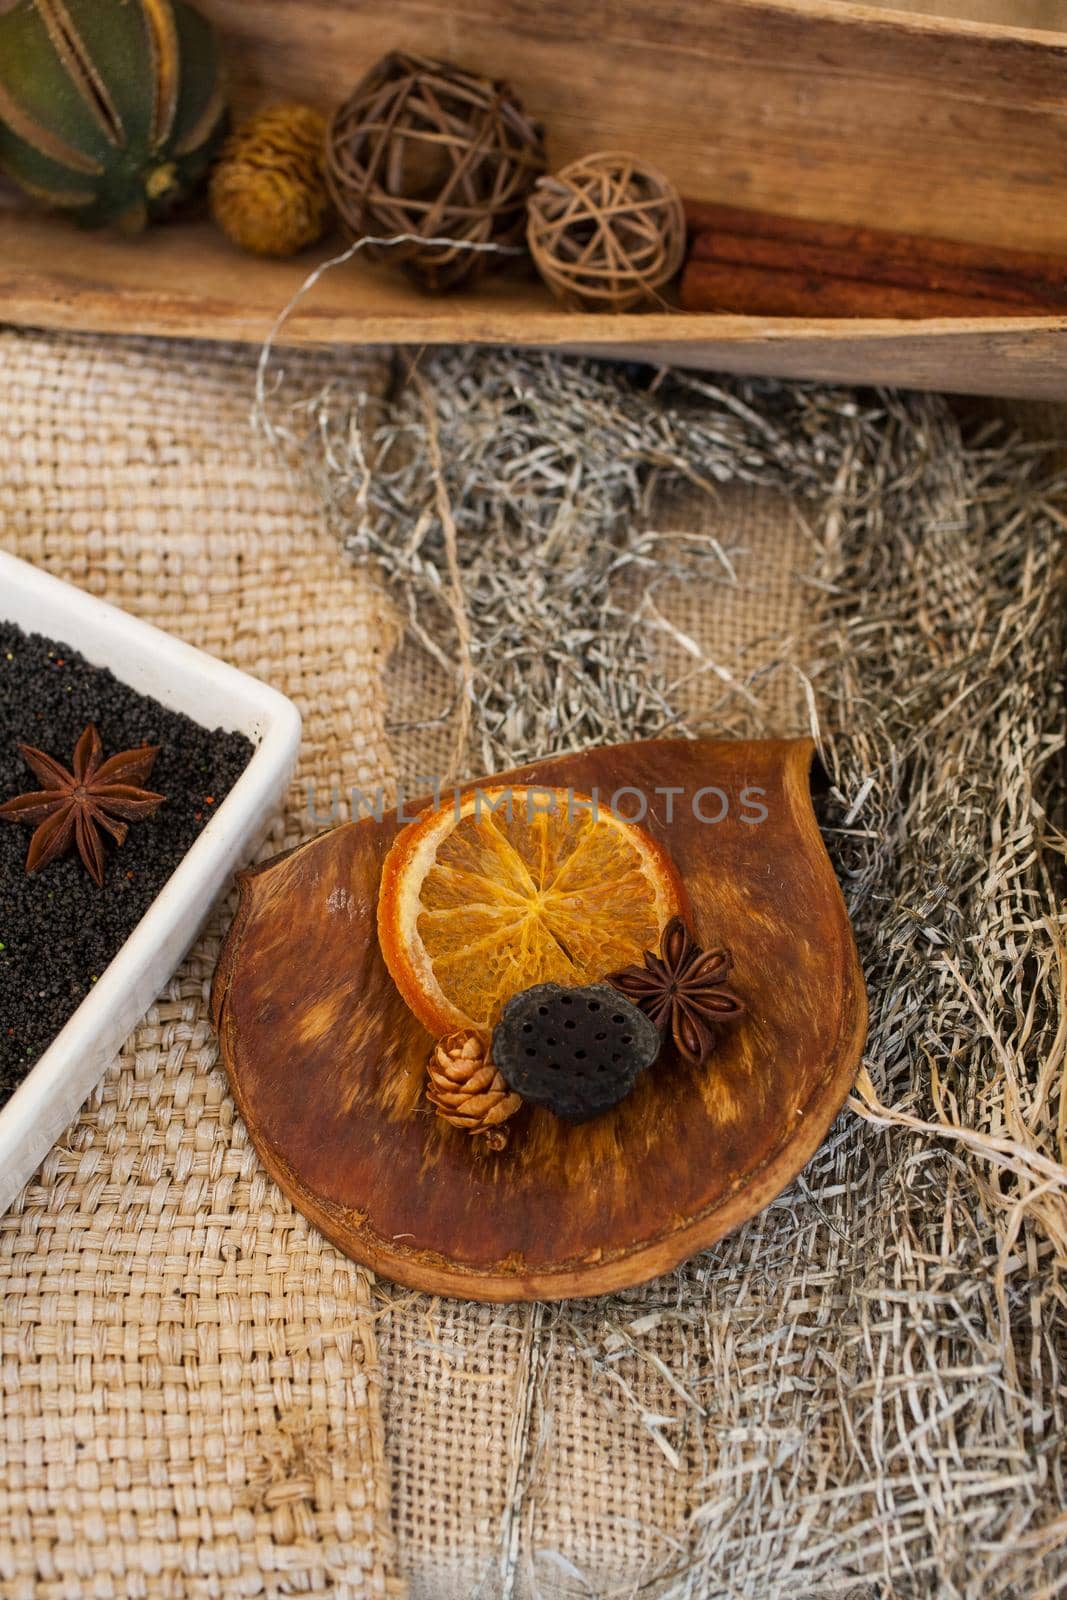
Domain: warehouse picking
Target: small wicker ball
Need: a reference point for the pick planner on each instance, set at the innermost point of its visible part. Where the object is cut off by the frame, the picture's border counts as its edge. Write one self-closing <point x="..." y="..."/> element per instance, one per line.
<point x="606" y="232"/>
<point x="268" y="191"/>
<point x="423" y="147"/>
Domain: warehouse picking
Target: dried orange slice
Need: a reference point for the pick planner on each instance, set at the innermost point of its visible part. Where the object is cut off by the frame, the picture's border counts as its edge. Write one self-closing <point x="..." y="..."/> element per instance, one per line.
<point x="509" y="887"/>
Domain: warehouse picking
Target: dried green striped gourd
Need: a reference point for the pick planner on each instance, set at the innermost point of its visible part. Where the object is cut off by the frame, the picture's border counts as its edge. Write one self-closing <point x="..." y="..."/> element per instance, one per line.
<point x="109" y="109"/>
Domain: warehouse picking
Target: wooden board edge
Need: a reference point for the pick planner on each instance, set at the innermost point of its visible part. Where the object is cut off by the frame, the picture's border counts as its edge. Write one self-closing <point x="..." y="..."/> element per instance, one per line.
<point x="488" y="323"/>
<point x="1018" y="358"/>
<point x="918" y="24"/>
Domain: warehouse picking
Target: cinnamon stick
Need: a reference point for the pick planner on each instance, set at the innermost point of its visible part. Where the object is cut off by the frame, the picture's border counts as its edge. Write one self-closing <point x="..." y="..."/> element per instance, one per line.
<point x="771" y="292"/>
<point x="884" y="265"/>
<point x="904" y="250"/>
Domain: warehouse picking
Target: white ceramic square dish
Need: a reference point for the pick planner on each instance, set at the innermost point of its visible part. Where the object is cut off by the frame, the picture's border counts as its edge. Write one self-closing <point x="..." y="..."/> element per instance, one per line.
<point x="214" y="695"/>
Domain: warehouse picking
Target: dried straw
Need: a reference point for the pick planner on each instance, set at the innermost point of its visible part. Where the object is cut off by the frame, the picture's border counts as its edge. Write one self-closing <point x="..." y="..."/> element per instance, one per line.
<point x="548" y="468"/>
<point x="867" y="1381"/>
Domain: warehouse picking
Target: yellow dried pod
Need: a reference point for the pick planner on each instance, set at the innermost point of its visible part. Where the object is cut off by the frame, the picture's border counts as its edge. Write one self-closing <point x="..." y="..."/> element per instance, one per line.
<point x="268" y="190"/>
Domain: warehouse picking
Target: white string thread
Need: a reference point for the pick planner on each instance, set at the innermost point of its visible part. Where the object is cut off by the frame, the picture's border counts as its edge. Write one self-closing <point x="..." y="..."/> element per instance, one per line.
<point x="313" y="277"/>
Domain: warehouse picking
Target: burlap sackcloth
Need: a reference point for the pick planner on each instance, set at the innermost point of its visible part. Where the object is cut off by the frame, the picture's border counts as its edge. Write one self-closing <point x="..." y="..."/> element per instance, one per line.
<point x="190" y="1390"/>
<point x="217" y="1362"/>
<point x="190" y="1376"/>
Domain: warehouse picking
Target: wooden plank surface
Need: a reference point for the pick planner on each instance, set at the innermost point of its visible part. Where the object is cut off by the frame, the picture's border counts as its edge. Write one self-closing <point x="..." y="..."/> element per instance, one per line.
<point x="817" y="109"/>
<point x="827" y="110"/>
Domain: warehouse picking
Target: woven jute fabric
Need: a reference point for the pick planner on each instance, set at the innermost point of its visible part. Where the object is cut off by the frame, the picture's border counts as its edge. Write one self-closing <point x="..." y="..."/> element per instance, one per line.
<point x="213" y="1355"/>
<point x="189" y="1389"/>
<point x="858" y="1394"/>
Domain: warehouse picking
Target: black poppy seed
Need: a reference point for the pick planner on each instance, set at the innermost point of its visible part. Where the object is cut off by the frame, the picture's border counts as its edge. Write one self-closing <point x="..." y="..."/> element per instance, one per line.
<point x="60" y="930"/>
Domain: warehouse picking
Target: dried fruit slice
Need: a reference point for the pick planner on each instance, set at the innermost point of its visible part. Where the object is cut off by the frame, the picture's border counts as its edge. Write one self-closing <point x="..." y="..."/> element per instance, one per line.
<point x="513" y="887"/>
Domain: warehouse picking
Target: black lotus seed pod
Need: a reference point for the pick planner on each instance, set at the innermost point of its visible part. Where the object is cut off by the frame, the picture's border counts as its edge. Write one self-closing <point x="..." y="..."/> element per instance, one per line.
<point x="576" y="1051"/>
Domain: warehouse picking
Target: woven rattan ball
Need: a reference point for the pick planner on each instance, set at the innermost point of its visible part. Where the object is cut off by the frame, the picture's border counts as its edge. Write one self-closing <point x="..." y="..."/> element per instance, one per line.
<point x="422" y="147"/>
<point x="268" y="191"/>
<point x="607" y="232"/>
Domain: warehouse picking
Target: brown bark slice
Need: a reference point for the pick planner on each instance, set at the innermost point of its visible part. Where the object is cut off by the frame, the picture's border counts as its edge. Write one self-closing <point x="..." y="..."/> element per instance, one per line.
<point x="327" y="1064"/>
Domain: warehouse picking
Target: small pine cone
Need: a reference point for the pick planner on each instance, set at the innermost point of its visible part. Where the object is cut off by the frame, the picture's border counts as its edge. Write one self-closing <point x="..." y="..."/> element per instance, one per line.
<point x="466" y="1089"/>
<point x="268" y="190"/>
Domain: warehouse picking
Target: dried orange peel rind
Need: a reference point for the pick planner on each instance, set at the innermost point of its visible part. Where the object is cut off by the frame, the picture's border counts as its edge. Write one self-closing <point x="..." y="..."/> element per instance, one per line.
<point x="510" y="887"/>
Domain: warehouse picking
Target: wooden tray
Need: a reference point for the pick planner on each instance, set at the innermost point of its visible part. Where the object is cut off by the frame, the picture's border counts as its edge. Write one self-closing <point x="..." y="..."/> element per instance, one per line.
<point x="327" y="1064"/>
<point x="813" y="109"/>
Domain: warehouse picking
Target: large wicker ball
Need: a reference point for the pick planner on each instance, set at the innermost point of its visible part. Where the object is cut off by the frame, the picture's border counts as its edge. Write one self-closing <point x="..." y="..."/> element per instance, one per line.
<point x="268" y="190"/>
<point x="607" y="232"/>
<point x="425" y="148"/>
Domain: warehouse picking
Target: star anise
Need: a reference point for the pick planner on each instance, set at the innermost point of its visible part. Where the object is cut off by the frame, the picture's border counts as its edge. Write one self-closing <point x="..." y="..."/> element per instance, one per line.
<point x="683" y="989"/>
<point x="76" y="807"/>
